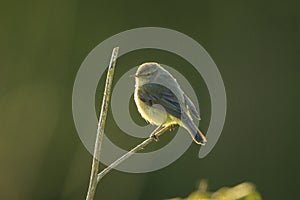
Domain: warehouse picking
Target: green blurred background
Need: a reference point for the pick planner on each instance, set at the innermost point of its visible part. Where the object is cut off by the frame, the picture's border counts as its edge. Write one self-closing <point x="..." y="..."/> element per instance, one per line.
<point x="255" y="44"/>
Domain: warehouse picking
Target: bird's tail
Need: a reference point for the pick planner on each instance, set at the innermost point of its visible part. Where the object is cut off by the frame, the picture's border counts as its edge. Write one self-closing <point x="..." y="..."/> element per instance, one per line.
<point x="196" y="134"/>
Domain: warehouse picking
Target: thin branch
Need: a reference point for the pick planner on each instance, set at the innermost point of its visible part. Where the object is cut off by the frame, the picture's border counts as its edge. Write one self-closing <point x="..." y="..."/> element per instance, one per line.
<point x="157" y="132"/>
<point x="101" y="125"/>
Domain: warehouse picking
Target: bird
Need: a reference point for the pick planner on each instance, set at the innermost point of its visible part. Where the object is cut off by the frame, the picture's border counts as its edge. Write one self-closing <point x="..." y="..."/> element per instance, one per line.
<point x="161" y="101"/>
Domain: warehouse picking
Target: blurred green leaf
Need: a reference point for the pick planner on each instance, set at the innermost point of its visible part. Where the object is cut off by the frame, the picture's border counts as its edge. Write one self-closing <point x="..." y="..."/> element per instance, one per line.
<point x="243" y="191"/>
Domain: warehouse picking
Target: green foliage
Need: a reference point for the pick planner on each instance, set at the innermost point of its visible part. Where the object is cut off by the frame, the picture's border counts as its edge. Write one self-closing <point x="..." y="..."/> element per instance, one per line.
<point x="243" y="191"/>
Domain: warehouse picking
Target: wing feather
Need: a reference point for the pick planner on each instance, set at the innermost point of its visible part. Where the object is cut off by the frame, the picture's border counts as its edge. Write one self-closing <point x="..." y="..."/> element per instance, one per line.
<point x="191" y="106"/>
<point x="153" y="93"/>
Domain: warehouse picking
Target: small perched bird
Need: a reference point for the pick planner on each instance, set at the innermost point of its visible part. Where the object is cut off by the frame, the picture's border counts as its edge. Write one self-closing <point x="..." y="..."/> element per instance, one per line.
<point x="161" y="101"/>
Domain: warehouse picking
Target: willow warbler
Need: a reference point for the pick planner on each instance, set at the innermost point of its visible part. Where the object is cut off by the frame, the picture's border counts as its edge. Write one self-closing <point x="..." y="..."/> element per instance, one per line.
<point x="161" y="101"/>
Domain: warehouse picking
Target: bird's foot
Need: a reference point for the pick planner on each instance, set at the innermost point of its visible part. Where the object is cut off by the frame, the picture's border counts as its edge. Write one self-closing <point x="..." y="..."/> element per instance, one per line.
<point x="154" y="137"/>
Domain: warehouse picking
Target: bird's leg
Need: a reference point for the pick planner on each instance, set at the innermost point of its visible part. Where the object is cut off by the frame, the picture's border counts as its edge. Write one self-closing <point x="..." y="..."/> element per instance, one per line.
<point x="155" y="138"/>
<point x="153" y="134"/>
<point x="158" y="131"/>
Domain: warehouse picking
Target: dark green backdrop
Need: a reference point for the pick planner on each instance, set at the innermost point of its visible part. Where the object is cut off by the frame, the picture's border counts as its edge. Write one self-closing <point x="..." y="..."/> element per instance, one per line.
<point x="255" y="44"/>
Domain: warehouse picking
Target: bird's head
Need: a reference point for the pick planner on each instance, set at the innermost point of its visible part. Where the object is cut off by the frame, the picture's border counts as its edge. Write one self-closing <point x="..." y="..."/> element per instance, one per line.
<point x="147" y="73"/>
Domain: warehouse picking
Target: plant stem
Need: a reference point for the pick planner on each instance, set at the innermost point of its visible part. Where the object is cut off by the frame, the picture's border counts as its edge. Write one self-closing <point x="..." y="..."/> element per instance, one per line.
<point x="157" y="132"/>
<point x="101" y="125"/>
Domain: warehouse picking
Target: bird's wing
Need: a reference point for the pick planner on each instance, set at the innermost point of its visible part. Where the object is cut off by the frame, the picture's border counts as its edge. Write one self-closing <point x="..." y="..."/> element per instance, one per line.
<point x="153" y="93"/>
<point x="191" y="106"/>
